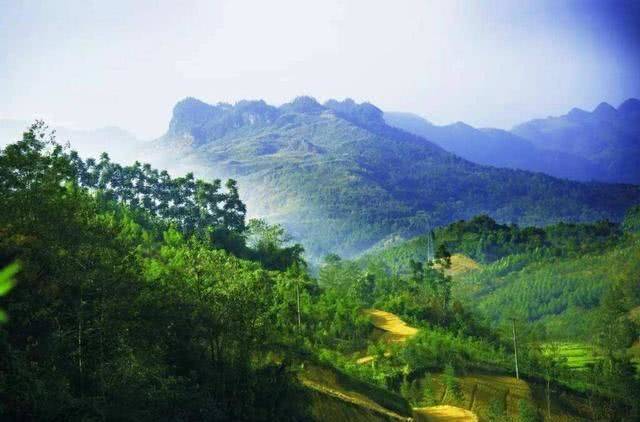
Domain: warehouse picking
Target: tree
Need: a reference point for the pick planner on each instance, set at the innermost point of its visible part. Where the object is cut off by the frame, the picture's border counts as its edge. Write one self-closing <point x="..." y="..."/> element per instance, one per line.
<point x="271" y="245"/>
<point x="100" y="272"/>
<point x="428" y="391"/>
<point x="454" y="390"/>
<point x="552" y="362"/>
<point x="498" y="410"/>
<point x="527" y="412"/>
<point x="443" y="256"/>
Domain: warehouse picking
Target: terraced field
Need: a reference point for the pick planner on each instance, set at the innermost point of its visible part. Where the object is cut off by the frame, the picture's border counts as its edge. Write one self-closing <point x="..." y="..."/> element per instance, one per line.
<point x="577" y="355"/>
<point x="480" y="390"/>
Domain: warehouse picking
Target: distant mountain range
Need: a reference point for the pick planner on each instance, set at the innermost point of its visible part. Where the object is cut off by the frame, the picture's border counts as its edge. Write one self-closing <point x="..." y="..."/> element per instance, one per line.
<point x="607" y="136"/>
<point x="121" y="145"/>
<point x="341" y="179"/>
<point x="602" y="145"/>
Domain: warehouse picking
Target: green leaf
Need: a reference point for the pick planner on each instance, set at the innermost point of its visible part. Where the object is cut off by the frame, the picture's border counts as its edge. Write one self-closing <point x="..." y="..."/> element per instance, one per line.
<point x="6" y="277"/>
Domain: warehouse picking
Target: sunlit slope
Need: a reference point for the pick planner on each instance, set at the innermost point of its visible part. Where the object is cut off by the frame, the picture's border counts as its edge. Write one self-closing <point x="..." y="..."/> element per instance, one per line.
<point x="392" y="329"/>
<point x="480" y="389"/>
<point x="481" y="392"/>
<point x="444" y="413"/>
<point x="393" y="326"/>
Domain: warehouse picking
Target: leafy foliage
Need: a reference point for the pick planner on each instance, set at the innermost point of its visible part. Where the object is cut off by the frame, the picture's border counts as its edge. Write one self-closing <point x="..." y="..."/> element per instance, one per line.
<point x="6" y="284"/>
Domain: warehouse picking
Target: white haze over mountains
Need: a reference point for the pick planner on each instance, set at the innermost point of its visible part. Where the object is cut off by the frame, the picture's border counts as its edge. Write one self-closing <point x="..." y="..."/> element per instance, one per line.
<point x="121" y="145"/>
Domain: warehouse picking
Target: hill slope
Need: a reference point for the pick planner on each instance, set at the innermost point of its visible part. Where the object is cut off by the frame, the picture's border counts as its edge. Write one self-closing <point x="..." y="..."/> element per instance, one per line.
<point x="560" y="294"/>
<point x="554" y="277"/>
<point x="340" y="179"/>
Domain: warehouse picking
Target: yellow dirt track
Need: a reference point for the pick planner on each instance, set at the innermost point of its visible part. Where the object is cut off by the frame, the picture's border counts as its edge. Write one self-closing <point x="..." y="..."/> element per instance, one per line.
<point x="395" y="330"/>
<point x="392" y="324"/>
<point x="444" y="413"/>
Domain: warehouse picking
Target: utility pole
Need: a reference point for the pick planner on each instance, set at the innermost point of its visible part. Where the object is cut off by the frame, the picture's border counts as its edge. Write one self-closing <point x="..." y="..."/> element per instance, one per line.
<point x="515" y="345"/>
<point x="298" y="300"/>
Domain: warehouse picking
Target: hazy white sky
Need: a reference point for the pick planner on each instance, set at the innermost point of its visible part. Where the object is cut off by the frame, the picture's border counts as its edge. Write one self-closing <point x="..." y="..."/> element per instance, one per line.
<point x="488" y="63"/>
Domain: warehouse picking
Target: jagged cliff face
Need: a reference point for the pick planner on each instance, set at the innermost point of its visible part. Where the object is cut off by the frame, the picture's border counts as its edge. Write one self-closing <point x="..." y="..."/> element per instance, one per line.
<point x="340" y="179"/>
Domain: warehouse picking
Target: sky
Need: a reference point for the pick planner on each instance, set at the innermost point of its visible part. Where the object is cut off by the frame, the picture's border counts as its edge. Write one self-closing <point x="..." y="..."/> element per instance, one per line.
<point x="493" y="63"/>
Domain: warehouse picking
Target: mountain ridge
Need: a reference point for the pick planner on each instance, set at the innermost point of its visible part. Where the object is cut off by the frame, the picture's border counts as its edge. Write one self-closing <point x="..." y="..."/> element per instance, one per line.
<point x="496" y="147"/>
<point x="312" y="166"/>
<point x="606" y="136"/>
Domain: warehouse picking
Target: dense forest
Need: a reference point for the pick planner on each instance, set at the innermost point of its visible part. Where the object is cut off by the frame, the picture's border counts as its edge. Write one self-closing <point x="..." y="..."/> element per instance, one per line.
<point x="128" y="294"/>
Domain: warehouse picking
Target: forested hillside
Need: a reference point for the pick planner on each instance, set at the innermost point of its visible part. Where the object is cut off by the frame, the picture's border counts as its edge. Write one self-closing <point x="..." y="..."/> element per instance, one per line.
<point x="559" y="289"/>
<point x="128" y="294"/>
<point x="486" y="241"/>
<point x="562" y="283"/>
<point x="128" y="304"/>
<point x="310" y="166"/>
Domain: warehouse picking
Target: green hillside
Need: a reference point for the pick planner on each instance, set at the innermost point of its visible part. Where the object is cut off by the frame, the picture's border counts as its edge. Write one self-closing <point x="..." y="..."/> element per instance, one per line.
<point x="483" y="239"/>
<point x="554" y="278"/>
<point x="341" y="180"/>
<point x="128" y="294"/>
<point x="558" y="293"/>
